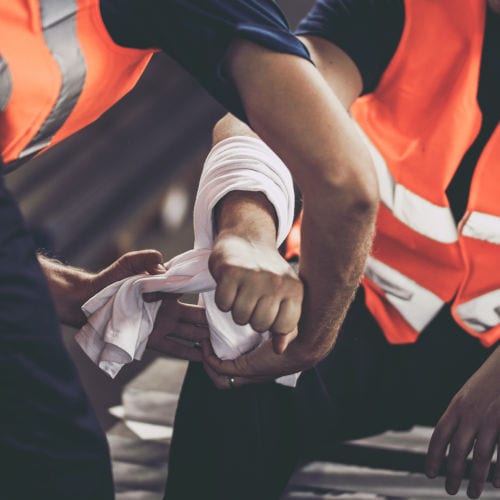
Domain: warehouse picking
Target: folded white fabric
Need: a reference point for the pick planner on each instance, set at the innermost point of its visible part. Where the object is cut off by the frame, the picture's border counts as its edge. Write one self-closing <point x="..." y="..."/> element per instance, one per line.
<point x="119" y="322"/>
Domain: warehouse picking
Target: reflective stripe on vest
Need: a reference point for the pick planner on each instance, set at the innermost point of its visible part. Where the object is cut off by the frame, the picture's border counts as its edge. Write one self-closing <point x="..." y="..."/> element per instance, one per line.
<point x="59" y="30"/>
<point x="419" y="214"/>
<point x="417" y="305"/>
<point x="482" y="313"/>
<point x="5" y="84"/>
<point x="483" y="227"/>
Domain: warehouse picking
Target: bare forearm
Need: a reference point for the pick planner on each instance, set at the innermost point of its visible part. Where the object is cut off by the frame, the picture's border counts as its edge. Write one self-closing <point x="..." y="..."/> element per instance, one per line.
<point x="72" y="287"/>
<point x="333" y="256"/>
<point x="293" y="109"/>
<point x="69" y="288"/>
<point x="312" y="132"/>
<point x="253" y="281"/>
<point x="247" y="215"/>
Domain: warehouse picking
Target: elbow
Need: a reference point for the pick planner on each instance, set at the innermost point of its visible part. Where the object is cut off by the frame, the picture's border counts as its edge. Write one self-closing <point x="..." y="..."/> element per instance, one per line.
<point x="363" y="194"/>
<point x="352" y="189"/>
<point x="307" y="354"/>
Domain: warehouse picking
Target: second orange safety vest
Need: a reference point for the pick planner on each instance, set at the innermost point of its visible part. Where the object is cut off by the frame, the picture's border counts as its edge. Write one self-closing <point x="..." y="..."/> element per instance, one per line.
<point x="419" y="122"/>
<point x="59" y="71"/>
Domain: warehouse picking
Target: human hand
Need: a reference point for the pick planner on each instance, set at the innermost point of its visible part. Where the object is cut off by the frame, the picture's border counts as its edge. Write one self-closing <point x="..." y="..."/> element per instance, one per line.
<point x="179" y="329"/>
<point x="72" y="287"/>
<point x="259" y="365"/>
<point x="471" y="421"/>
<point x="258" y="286"/>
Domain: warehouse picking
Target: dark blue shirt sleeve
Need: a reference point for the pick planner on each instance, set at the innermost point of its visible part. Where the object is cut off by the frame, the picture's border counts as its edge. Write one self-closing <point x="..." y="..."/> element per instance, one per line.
<point x="368" y="31"/>
<point x="197" y="33"/>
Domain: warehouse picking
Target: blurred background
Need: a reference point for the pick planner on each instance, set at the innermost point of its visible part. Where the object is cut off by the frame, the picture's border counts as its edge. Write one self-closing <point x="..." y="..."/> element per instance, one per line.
<point x="126" y="182"/>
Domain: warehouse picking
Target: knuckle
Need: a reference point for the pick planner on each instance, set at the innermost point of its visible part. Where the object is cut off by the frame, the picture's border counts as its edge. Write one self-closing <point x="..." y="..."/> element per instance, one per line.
<point x="295" y="284"/>
<point x="460" y="450"/>
<point x="454" y="468"/>
<point x="260" y="326"/>
<point x="219" y="384"/>
<point x="481" y="456"/>
<point x="240" y="317"/>
<point x="223" y="302"/>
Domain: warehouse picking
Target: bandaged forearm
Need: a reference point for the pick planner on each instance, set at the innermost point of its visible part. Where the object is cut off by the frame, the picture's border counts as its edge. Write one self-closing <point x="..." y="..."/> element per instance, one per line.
<point x="119" y="322"/>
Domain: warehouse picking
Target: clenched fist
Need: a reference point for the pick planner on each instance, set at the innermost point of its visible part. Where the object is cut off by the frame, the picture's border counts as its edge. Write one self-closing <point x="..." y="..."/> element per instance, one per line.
<point x="258" y="286"/>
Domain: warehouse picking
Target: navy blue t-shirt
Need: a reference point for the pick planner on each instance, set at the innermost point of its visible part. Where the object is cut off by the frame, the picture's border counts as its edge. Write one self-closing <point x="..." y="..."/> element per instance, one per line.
<point x="197" y="33"/>
<point x="368" y="31"/>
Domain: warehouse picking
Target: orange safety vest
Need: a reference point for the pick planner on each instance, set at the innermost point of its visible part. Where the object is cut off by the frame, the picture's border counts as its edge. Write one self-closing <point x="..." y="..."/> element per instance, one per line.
<point x="59" y="71"/>
<point x="419" y="122"/>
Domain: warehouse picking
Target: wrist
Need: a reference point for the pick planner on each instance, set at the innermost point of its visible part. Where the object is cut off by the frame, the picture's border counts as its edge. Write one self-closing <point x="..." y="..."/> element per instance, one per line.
<point x="70" y="287"/>
<point x="246" y="215"/>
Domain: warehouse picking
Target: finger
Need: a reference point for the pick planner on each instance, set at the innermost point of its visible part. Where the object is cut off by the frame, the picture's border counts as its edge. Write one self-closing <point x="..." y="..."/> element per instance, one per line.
<point x="176" y="349"/>
<point x="258" y="365"/>
<point x="281" y="342"/>
<point x="221" y="367"/>
<point x="213" y="361"/>
<point x="190" y="313"/>
<point x="288" y="317"/>
<point x="264" y="314"/>
<point x="481" y="460"/>
<point x="439" y="442"/>
<point x="496" y="474"/>
<point x="189" y="332"/>
<point x="244" y="305"/>
<point x="137" y="262"/>
<point x="225" y="293"/>
<point x="226" y="382"/>
<point x="156" y="296"/>
<point x="460" y="446"/>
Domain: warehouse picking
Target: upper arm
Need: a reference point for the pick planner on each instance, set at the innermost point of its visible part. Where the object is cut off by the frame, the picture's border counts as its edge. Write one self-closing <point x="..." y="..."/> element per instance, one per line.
<point x="353" y="41"/>
<point x="199" y="34"/>
<point x="337" y="68"/>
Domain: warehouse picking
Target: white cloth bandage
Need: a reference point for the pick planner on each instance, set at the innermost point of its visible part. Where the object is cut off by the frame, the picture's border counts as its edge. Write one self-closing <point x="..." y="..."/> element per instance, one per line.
<point x="119" y="322"/>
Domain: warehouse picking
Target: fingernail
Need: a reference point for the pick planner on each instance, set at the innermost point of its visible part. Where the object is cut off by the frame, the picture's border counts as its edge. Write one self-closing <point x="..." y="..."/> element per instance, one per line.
<point x="431" y="474"/>
<point x="472" y="492"/>
<point x="160" y="268"/>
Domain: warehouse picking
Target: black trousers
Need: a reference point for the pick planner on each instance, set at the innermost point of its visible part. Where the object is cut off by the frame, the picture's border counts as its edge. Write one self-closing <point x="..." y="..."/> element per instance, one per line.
<point x="244" y="443"/>
<point x="51" y="445"/>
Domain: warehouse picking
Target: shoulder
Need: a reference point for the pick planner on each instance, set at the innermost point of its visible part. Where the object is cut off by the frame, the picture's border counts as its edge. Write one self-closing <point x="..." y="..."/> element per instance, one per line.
<point x="368" y="31"/>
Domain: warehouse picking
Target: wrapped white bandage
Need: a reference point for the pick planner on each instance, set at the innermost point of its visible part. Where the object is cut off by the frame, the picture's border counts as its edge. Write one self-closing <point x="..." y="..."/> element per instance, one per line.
<point x="119" y="322"/>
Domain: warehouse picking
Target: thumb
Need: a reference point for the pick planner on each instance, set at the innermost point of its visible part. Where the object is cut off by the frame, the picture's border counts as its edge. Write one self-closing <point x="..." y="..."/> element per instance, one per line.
<point x="132" y="263"/>
<point x="280" y="341"/>
<point x="150" y="261"/>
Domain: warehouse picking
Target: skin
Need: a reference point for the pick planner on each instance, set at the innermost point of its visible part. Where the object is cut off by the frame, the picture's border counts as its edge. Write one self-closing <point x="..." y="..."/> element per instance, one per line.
<point x="316" y="140"/>
<point x="335" y="174"/>
<point x="345" y="208"/>
<point x="470" y="423"/>
<point x="472" y="419"/>
<point x="179" y="328"/>
<point x="494" y="5"/>
<point x="253" y="281"/>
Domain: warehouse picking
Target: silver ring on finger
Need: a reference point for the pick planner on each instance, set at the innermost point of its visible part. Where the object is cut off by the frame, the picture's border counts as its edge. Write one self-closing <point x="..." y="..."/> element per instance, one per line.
<point x="231" y="382"/>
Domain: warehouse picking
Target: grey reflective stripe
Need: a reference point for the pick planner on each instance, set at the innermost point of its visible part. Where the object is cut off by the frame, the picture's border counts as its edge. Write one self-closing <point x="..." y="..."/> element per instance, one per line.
<point x="417" y="305"/>
<point x="5" y="84"/>
<point x="59" y="31"/>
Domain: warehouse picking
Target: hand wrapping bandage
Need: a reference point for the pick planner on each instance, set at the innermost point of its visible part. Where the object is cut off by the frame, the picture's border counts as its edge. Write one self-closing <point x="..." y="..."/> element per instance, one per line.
<point x="119" y="322"/>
